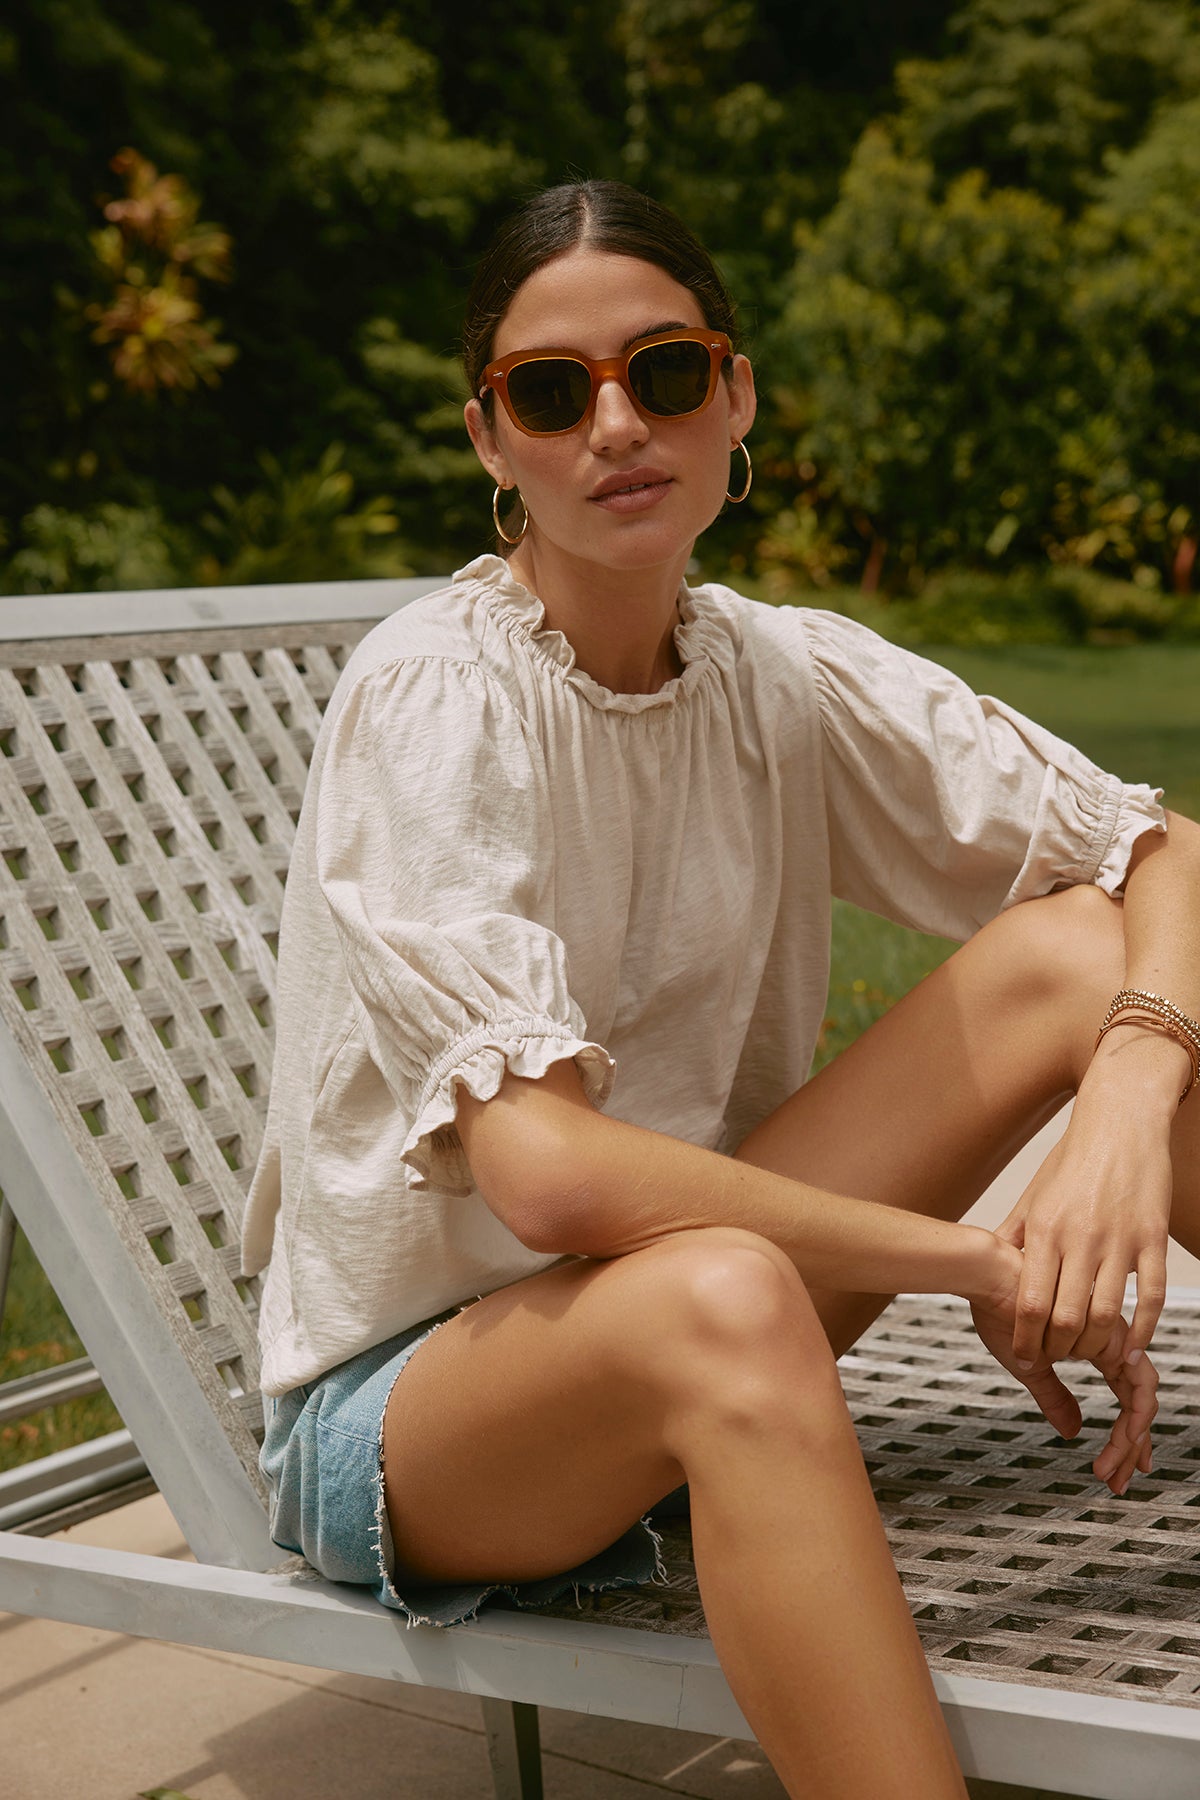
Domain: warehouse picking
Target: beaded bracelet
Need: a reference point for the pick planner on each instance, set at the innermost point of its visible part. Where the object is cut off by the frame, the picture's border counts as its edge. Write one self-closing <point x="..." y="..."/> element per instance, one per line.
<point x="1136" y="1006"/>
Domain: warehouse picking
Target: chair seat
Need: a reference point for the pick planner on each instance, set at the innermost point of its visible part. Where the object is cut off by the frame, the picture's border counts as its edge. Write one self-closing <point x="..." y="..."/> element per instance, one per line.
<point x="1018" y="1564"/>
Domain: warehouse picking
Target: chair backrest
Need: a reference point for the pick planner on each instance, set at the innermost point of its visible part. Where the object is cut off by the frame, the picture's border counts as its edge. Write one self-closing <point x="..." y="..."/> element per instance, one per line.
<point x="151" y="775"/>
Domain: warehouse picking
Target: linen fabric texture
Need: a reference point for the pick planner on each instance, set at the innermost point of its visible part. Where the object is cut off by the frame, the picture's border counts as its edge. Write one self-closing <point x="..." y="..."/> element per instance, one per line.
<point x="501" y="864"/>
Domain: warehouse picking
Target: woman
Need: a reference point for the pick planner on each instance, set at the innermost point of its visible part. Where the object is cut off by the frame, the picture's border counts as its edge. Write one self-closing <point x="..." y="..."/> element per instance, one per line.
<point x="553" y="960"/>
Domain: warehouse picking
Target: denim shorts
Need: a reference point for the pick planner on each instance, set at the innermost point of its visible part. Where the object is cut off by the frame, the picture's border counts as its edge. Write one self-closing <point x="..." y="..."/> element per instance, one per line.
<point x="323" y="1458"/>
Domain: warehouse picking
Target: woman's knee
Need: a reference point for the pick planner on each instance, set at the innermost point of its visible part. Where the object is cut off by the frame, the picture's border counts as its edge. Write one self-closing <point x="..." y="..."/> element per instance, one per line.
<point x="1063" y="948"/>
<point x="730" y="1283"/>
<point x="734" y="1318"/>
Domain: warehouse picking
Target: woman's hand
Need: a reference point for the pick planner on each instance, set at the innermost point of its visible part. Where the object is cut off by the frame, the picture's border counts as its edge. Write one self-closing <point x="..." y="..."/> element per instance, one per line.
<point x="1135" y="1387"/>
<point x="1097" y="1210"/>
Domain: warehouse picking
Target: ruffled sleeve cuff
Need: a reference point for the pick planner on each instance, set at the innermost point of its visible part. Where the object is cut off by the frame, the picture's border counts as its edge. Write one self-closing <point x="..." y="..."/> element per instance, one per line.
<point x="1137" y="810"/>
<point x="478" y="1062"/>
<point x="1087" y="829"/>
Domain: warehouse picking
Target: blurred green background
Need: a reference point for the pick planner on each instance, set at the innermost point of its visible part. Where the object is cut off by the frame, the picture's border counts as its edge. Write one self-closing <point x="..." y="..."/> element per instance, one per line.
<point x="235" y="242"/>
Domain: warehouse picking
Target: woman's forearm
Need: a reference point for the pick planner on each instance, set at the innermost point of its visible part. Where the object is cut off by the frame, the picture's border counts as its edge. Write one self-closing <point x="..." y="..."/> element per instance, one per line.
<point x="648" y="1186"/>
<point x="1162" y="956"/>
<point x="565" y="1178"/>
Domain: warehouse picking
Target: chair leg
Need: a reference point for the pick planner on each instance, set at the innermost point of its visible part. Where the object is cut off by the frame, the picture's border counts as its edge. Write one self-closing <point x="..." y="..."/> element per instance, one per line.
<point x="513" y="1748"/>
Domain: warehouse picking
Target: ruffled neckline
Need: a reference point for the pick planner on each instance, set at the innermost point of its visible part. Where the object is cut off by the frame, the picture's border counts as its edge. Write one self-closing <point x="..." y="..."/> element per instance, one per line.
<point x="520" y="613"/>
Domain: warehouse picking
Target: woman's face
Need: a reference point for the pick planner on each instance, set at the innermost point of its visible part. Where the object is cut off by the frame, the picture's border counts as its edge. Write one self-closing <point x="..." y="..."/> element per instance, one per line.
<point x="620" y="489"/>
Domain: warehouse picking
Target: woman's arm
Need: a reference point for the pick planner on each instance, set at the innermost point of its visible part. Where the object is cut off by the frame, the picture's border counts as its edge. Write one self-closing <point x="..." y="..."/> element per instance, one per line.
<point x="1101" y="1205"/>
<point x="1162" y="934"/>
<point x="566" y="1178"/>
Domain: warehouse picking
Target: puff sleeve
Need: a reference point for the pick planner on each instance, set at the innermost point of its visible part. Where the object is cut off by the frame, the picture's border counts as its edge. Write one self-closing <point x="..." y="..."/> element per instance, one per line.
<point x="434" y="854"/>
<point x="945" y="807"/>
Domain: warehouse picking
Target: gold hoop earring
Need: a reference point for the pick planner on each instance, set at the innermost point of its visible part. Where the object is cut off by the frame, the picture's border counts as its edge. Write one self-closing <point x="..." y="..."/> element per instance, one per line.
<point x="500" y="531"/>
<point x="737" y="499"/>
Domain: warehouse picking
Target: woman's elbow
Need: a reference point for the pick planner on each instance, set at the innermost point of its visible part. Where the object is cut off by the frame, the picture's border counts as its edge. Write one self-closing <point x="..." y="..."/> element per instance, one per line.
<point x="550" y="1207"/>
<point x="537" y="1152"/>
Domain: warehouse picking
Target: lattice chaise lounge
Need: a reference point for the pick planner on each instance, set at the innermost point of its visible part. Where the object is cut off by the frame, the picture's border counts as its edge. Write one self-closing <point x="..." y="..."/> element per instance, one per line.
<point x="150" y="779"/>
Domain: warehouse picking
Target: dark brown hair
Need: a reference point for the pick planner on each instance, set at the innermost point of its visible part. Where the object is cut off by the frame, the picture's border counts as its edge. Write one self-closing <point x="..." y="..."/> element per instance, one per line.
<point x="604" y="215"/>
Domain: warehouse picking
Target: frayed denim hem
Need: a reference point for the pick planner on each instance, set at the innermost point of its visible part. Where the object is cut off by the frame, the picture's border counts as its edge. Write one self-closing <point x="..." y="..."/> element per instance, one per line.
<point x="324" y="1459"/>
<point x="635" y="1558"/>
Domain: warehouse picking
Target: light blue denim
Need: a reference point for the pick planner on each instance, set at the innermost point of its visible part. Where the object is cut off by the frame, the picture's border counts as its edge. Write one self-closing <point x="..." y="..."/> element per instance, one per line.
<point x="323" y="1458"/>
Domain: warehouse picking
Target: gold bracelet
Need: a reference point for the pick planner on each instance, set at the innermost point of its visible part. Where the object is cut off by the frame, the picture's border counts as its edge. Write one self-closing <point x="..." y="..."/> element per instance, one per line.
<point x="1136" y="1006"/>
<point x="1144" y="1000"/>
<point x="1155" y="1003"/>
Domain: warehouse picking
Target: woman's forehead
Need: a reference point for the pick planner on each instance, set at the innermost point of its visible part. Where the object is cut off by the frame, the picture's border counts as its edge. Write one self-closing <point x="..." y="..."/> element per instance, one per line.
<point x="595" y="301"/>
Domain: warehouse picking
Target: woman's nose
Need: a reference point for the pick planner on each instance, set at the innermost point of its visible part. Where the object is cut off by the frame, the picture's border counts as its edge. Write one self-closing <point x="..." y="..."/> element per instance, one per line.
<point x="616" y="421"/>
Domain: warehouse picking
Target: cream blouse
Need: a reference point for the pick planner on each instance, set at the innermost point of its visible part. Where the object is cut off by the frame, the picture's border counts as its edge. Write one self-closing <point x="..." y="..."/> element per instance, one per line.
<point x="500" y="863"/>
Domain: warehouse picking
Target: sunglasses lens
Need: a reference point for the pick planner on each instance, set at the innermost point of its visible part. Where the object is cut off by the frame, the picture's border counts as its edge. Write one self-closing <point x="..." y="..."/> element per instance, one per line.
<point x="670" y="379"/>
<point x="549" y="393"/>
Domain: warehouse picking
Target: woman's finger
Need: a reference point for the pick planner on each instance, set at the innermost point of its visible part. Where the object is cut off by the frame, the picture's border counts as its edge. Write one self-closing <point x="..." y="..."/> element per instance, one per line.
<point x="1104" y="1310"/>
<point x="1069" y="1314"/>
<point x="1012" y="1229"/>
<point x="1114" y="1467"/>
<point x="1057" y="1402"/>
<point x="1136" y="1386"/>
<point x="1120" y="1458"/>
<point x="1136" y="1390"/>
<point x="1139" y="1451"/>
<point x="1143" y="1407"/>
<point x="1151" y="1293"/>
<point x="1035" y="1298"/>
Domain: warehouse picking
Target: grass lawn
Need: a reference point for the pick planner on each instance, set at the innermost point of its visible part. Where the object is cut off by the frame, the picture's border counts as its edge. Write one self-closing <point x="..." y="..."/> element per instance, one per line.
<point x="37" y="1335"/>
<point x="1134" y="710"/>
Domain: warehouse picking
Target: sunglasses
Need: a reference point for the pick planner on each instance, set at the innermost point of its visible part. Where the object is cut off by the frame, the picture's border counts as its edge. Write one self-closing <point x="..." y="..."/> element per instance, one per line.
<point x="545" y="392"/>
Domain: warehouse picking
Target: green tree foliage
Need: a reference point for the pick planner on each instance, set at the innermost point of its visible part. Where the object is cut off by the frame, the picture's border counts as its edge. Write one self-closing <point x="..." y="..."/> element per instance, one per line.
<point x="1038" y="91"/>
<point x="298" y="528"/>
<point x="316" y="134"/>
<point x="109" y="547"/>
<point x="155" y="251"/>
<point x="78" y="79"/>
<point x="1129" y="494"/>
<point x="929" y="361"/>
<point x="963" y="240"/>
<point x="387" y="193"/>
<point x="989" y="375"/>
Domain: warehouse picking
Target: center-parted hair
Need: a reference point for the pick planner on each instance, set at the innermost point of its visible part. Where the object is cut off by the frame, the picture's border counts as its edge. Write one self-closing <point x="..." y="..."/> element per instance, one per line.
<point x="605" y="216"/>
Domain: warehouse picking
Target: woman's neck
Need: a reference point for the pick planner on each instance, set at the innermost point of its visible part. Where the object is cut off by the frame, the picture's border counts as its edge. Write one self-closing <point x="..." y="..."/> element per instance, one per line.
<point x="619" y="622"/>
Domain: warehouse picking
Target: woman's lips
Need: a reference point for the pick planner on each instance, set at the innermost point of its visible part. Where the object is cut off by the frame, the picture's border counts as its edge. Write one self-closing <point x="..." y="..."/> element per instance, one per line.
<point x="635" y="491"/>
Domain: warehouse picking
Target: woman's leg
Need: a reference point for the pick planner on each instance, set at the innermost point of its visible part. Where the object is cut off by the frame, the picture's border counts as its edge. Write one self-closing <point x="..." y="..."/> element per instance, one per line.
<point x="927" y="1107"/>
<point x="530" y="1431"/>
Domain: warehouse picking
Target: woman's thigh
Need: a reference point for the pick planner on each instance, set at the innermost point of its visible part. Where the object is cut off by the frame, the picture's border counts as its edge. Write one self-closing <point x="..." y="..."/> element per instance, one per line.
<point x="926" y="1108"/>
<point x="531" y="1430"/>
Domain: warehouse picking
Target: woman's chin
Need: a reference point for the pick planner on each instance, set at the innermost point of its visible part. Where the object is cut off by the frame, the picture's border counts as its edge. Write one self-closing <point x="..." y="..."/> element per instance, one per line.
<point x="639" y="543"/>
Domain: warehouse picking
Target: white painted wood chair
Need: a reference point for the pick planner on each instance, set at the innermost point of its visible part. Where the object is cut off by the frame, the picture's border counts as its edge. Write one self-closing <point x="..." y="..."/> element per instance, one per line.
<point x="153" y="752"/>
